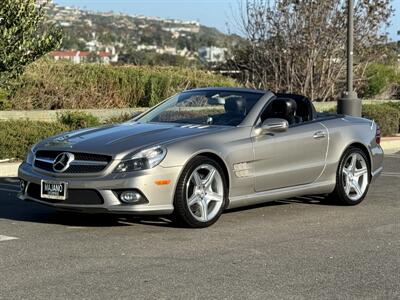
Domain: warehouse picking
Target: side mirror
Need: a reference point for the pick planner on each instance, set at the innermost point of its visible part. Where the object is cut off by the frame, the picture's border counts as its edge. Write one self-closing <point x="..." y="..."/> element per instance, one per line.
<point x="273" y="125"/>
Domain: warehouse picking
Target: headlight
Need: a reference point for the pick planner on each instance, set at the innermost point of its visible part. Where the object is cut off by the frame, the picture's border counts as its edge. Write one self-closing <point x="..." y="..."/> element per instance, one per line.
<point x="31" y="154"/>
<point x="145" y="159"/>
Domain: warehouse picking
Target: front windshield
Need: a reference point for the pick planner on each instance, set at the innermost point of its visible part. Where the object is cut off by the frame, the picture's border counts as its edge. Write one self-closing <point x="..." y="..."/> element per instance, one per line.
<point x="224" y="108"/>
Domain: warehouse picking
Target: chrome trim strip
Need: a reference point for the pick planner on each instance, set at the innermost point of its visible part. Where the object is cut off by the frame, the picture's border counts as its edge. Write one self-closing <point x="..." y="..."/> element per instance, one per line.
<point x="89" y="163"/>
<point x="45" y="160"/>
<point x="75" y="162"/>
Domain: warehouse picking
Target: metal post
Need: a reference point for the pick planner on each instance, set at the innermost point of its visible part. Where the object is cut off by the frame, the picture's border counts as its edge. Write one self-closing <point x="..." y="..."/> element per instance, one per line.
<point x="349" y="104"/>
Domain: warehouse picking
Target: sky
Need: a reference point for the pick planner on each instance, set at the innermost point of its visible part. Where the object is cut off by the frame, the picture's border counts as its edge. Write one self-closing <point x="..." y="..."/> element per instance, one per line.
<point x="215" y="13"/>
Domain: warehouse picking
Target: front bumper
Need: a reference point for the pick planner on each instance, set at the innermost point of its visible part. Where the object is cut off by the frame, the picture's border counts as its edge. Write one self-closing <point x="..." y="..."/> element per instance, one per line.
<point x="160" y="197"/>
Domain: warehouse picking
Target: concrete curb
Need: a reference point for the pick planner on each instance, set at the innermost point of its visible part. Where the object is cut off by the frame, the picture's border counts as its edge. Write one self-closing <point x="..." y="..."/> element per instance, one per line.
<point x="51" y="115"/>
<point x="9" y="169"/>
<point x="390" y="145"/>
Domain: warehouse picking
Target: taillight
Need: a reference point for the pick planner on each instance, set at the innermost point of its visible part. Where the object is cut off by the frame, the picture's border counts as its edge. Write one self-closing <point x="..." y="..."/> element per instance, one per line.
<point x="378" y="134"/>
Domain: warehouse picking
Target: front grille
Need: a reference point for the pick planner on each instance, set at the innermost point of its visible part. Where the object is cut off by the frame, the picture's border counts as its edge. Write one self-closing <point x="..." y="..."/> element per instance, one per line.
<point x="74" y="196"/>
<point x="78" y="155"/>
<point x="44" y="166"/>
<point x="83" y="163"/>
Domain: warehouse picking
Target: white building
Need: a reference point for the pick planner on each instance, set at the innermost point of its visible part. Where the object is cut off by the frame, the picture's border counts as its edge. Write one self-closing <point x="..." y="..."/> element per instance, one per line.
<point x="93" y="45"/>
<point x="166" y="50"/>
<point x="147" y="47"/>
<point x="42" y="2"/>
<point x="213" y="54"/>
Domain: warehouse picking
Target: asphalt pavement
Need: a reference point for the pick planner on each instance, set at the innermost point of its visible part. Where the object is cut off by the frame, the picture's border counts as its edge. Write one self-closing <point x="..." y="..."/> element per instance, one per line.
<point x="291" y="249"/>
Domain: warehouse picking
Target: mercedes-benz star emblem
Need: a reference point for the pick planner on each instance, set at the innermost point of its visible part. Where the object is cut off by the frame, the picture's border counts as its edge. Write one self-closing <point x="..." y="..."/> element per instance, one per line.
<point x="62" y="162"/>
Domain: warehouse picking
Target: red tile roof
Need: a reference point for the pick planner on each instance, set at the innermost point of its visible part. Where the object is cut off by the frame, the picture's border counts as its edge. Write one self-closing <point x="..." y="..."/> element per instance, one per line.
<point x="104" y="54"/>
<point x="83" y="53"/>
<point x="63" y="53"/>
<point x="78" y="53"/>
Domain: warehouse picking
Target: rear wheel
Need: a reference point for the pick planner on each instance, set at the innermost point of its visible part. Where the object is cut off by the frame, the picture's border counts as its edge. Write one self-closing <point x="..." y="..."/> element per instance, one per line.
<point x="352" y="178"/>
<point x="201" y="193"/>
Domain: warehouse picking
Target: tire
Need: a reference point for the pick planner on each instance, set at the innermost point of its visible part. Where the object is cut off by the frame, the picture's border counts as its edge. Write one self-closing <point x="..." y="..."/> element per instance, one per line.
<point x="352" y="178"/>
<point x="200" y="199"/>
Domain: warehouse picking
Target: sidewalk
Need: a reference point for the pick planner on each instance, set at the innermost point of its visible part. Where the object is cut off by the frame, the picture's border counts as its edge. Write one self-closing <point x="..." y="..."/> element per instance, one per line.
<point x="9" y="169"/>
<point x="390" y="145"/>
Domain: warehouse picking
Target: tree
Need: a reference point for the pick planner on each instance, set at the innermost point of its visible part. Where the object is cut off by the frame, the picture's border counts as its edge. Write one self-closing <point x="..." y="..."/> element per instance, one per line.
<point x="93" y="57"/>
<point x="24" y="36"/>
<point x="299" y="45"/>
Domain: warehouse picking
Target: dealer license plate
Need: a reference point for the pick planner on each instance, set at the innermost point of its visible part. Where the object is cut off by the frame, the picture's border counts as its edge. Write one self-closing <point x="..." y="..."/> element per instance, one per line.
<point x="53" y="190"/>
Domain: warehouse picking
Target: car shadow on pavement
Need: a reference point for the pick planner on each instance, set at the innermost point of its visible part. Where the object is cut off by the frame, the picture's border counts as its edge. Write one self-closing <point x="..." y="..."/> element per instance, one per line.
<point x="14" y="209"/>
<point x="36" y="213"/>
<point x="313" y="200"/>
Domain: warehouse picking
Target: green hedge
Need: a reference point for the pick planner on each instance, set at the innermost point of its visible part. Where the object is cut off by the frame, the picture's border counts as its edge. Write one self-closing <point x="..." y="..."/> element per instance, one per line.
<point x="78" y="119"/>
<point x="18" y="136"/>
<point x="395" y="105"/>
<point x="62" y="85"/>
<point x="386" y="116"/>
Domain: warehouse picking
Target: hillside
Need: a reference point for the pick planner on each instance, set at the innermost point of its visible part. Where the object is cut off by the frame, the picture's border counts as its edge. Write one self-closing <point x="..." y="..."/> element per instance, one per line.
<point x="86" y="30"/>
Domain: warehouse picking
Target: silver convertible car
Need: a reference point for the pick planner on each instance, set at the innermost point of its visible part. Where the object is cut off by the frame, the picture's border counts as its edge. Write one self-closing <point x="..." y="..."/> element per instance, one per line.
<point x="203" y="151"/>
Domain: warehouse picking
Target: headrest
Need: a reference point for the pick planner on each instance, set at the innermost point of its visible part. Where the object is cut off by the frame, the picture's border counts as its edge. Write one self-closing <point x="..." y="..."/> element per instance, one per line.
<point x="284" y="106"/>
<point x="236" y="105"/>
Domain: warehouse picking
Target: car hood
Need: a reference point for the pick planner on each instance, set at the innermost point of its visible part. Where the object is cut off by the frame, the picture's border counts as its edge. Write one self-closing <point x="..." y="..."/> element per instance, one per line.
<point x="122" y="139"/>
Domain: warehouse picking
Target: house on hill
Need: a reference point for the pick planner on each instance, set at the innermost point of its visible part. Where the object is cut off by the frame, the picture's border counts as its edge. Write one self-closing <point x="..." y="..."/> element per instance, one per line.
<point x="78" y="57"/>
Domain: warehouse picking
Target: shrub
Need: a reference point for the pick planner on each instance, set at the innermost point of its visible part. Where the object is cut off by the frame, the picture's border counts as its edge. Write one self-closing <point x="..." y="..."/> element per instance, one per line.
<point x="18" y="136"/>
<point x="4" y="102"/>
<point x="124" y="117"/>
<point x="63" y="85"/>
<point x="77" y="119"/>
<point x="381" y="79"/>
<point x="386" y="116"/>
<point x="395" y="105"/>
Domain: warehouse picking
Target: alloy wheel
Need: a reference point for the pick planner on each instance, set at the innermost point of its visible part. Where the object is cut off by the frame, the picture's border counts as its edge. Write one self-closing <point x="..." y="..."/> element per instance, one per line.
<point x="205" y="192"/>
<point x="355" y="176"/>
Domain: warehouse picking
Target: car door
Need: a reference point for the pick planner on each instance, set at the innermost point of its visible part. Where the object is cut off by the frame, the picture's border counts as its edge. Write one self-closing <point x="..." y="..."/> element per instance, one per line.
<point x="291" y="158"/>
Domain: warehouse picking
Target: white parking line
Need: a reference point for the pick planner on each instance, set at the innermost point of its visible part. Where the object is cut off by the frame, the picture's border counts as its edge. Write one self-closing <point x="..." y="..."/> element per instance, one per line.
<point x="4" y="238"/>
<point x="391" y="174"/>
<point x="393" y="155"/>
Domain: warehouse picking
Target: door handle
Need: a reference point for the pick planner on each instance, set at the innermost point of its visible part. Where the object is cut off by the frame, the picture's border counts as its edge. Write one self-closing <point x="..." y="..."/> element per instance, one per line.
<point x="319" y="135"/>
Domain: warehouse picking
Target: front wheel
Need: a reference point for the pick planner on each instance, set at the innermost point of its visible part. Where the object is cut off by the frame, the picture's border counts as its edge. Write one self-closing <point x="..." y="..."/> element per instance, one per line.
<point x="352" y="178"/>
<point x="201" y="193"/>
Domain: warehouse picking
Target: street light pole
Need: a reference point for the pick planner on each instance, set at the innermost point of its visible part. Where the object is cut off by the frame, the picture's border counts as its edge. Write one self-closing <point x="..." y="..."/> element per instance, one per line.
<point x="349" y="104"/>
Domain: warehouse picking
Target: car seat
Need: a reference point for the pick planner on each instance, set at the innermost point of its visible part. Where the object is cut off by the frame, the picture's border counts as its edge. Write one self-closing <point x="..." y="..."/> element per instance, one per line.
<point x="235" y="112"/>
<point x="285" y="108"/>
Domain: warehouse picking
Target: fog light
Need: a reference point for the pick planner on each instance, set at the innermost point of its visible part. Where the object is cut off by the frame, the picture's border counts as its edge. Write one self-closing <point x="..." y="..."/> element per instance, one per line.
<point x="22" y="185"/>
<point x="129" y="197"/>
